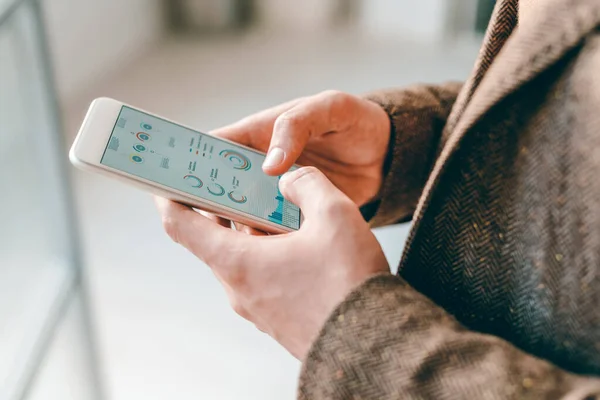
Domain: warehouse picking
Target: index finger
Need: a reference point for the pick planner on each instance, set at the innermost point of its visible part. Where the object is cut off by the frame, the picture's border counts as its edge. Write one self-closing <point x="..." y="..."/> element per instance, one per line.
<point x="255" y="130"/>
<point x="221" y="248"/>
<point x="319" y="115"/>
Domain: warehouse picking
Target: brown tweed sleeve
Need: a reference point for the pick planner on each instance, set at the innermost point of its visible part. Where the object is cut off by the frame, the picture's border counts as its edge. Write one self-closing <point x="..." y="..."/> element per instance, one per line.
<point x="388" y="341"/>
<point x="418" y="115"/>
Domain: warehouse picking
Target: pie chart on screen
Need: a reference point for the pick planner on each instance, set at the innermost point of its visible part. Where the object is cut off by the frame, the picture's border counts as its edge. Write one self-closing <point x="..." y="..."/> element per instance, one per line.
<point x="236" y="160"/>
<point x="215" y="189"/>
<point x="193" y="181"/>
<point x="143" y="136"/>
<point x="140" y="148"/>
<point x="237" y="197"/>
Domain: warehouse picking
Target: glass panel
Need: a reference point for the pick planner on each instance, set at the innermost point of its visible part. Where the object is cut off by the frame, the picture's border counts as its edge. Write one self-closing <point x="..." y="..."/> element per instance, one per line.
<point x="37" y="274"/>
<point x="64" y="373"/>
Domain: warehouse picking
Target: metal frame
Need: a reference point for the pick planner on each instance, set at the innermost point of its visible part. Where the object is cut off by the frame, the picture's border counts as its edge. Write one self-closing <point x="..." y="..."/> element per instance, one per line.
<point x="73" y="284"/>
<point x="9" y="10"/>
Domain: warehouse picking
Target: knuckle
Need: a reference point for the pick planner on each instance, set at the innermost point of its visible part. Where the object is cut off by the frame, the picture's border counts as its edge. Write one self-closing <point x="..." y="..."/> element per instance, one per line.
<point x="310" y="172"/>
<point x="230" y="262"/>
<point x="233" y="262"/>
<point x="238" y="308"/>
<point x="304" y="174"/>
<point x="287" y="121"/>
<point x="333" y="93"/>
<point x="261" y="328"/>
<point x="339" y="208"/>
<point x="220" y="252"/>
<point x="256" y="302"/>
<point x="171" y="227"/>
<point x="237" y="277"/>
<point x="339" y="98"/>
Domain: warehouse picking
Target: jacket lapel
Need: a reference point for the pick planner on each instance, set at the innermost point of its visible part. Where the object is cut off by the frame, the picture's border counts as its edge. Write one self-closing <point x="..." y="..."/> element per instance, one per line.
<point x="503" y="21"/>
<point x="528" y="51"/>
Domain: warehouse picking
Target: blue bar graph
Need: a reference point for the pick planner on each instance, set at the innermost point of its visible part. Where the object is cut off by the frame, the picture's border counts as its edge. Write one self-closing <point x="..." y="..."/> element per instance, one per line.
<point x="277" y="215"/>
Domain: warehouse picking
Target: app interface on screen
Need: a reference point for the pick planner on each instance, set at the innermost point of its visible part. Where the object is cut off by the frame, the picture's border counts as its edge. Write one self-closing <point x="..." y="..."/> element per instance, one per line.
<point x="198" y="164"/>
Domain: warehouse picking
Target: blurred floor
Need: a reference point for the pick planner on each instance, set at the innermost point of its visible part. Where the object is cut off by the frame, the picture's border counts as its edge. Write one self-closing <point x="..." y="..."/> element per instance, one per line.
<point x="165" y="327"/>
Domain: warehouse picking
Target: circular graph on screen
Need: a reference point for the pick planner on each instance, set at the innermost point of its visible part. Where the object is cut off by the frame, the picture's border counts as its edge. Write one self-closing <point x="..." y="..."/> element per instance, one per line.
<point x="136" y="159"/>
<point x="193" y="181"/>
<point x="143" y="136"/>
<point x="140" y="147"/>
<point x="237" y="197"/>
<point x="215" y="189"/>
<point x="236" y="159"/>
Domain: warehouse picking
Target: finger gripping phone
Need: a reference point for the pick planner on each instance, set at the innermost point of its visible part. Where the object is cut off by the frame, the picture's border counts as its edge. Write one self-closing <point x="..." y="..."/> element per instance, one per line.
<point x="182" y="164"/>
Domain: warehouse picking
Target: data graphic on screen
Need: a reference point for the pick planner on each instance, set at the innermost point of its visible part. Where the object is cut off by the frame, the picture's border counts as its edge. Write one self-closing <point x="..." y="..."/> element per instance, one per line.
<point x="201" y="165"/>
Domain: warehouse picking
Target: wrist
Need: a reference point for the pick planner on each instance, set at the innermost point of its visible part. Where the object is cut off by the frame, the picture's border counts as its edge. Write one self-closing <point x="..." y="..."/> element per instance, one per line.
<point x="386" y="128"/>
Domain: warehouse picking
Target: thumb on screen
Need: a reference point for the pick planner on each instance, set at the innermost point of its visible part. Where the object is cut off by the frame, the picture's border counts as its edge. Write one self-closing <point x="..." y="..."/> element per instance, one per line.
<point x="310" y="190"/>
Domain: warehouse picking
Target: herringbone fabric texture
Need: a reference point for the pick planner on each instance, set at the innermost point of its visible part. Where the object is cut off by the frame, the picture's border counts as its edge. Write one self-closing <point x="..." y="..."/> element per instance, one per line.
<point x="422" y="111"/>
<point x="498" y="295"/>
<point x="504" y="20"/>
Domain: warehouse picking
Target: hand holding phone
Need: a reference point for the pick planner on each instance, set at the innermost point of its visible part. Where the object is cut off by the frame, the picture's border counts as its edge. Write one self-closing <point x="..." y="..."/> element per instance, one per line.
<point x="287" y="285"/>
<point x="345" y="136"/>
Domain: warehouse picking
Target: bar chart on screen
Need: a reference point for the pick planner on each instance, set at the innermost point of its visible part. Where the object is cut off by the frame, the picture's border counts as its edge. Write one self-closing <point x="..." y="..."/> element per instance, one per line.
<point x="277" y="215"/>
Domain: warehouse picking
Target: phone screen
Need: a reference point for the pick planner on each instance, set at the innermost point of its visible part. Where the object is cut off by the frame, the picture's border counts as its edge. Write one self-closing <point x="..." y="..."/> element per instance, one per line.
<point x="201" y="165"/>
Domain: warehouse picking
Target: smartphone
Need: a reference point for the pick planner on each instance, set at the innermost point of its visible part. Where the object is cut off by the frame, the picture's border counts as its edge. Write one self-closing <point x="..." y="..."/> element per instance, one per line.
<point x="182" y="164"/>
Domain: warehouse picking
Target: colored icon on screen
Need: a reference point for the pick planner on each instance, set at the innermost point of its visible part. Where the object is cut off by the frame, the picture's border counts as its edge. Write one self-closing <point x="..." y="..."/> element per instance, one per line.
<point x="237" y="197"/>
<point x="140" y="148"/>
<point x="136" y="159"/>
<point x="193" y="181"/>
<point x="146" y="126"/>
<point x="143" y="136"/>
<point x="215" y="189"/>
<point x="236" y="159"/>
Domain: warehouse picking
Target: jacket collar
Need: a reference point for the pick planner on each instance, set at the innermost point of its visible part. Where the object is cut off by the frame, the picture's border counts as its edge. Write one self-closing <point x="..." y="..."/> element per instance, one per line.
<point x="528" y="51"/>
<point x="503" y="21"/>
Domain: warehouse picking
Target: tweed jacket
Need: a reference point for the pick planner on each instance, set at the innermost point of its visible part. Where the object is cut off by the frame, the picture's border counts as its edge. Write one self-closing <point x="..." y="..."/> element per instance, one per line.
<point x="498" y="291"/>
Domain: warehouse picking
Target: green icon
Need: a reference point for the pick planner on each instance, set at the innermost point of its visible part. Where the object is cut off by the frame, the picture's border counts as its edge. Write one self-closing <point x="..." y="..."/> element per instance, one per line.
<point x="140" y="148"/>
<point x="136" y="159"/>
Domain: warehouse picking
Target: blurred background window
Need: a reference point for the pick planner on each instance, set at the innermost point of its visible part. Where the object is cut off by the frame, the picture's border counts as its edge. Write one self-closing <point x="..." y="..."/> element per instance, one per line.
<point x="113" y="309"/>
<point x="484" y="12"/>
<point x="43" y="301"/>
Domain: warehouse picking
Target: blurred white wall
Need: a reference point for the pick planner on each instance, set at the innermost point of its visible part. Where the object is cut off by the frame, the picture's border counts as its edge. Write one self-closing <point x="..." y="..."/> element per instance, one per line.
<point x="90" y="39"/>
<point x="423" y="20"/>
<point x="307" y="16"/>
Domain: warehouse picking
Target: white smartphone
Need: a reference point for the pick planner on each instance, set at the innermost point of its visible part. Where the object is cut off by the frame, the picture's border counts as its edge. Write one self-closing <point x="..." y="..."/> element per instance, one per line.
<point x="182" y="164"/>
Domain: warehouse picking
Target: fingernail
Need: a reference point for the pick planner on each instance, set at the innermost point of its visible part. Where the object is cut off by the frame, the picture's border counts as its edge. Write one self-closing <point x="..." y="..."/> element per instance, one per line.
<point x="274" y="158"/>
